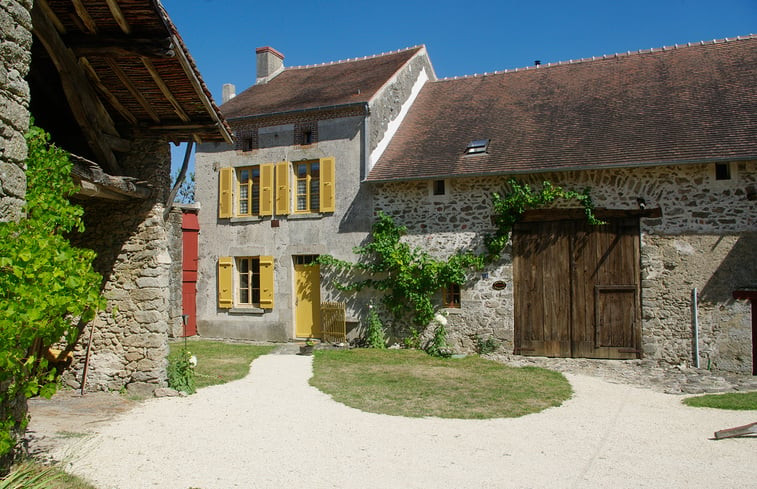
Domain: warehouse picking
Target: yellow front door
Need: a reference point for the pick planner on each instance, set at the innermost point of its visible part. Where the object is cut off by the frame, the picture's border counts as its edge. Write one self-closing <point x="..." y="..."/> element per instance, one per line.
<point x="307" y="284"/>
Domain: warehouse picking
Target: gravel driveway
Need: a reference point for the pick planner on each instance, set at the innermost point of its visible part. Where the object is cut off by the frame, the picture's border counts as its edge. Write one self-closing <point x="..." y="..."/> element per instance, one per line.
<point x="272" y="430"/>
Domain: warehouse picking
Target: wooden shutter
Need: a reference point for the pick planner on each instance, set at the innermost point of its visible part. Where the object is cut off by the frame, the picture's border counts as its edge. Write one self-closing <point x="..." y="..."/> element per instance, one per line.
<point x="225" y="182"/>
<point x="282" y="188"/>
<point x="327" y="184"/>
<point x="225" y="282"/>
<point x="266" y="282"/>
<point x="266" y="189"/>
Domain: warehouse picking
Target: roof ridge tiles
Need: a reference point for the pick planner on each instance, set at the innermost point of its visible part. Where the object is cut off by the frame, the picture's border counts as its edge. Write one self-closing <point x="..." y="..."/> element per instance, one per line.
<point x="352" y="60"/>
<point x="602" y="57"/>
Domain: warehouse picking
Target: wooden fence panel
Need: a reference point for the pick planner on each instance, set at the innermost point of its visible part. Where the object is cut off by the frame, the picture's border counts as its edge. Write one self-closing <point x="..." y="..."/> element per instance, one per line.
<point x="333" y="322"/>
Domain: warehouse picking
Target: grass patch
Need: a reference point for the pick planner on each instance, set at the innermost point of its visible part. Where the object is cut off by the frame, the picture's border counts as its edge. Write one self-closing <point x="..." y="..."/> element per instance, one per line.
<point x="414" y="384"/>
<point x="33" y="475"/>
<point x="219" y="362"/>
<point x="739" y="401"/>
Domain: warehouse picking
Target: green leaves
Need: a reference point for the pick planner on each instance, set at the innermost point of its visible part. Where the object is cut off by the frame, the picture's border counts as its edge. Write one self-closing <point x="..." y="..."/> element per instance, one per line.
<point x="48" y="288"/>
<point x="509" y="209"/>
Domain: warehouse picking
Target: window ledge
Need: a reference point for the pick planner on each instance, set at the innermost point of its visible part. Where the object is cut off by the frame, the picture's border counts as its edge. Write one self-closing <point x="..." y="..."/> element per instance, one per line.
<point x="246" y="310"/>
<point x="311" y="215"/>
<point x="246" y="219"/>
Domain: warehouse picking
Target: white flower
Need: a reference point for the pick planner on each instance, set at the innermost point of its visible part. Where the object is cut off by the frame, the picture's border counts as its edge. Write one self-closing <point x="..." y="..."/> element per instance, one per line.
<point x="193" y="361"/>
<point x="440" y="318"/>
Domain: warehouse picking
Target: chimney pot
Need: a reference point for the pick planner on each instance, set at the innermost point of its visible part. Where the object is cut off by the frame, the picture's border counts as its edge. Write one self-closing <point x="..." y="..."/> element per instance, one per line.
<point x="229" y="92"/>
<point x="269" y="64"/>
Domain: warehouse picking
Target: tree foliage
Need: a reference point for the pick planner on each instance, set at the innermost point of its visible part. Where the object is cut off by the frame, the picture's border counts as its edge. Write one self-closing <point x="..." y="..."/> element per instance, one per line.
<point x="186" y="193"/>
<point x="48" y="288"/>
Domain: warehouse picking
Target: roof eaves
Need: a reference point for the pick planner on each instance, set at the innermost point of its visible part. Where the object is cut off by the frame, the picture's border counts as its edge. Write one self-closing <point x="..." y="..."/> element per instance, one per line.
<point x="529" y="171"/>
<point x="299" y="111"/>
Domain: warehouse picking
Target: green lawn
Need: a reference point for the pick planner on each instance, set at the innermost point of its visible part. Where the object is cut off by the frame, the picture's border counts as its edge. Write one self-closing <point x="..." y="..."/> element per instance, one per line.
<point x="741" y="401"/>
<point x="219" y="362"/>
<point x="414" y="384"/>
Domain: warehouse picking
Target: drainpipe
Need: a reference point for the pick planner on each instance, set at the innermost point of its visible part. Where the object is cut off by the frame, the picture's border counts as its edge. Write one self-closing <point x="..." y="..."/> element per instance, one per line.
<point x="695" y="321"/>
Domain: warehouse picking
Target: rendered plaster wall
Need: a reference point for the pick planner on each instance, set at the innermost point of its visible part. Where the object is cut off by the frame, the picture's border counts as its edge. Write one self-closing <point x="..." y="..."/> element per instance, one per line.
<point x="130" y="339"/>
<point x="15" y="58"/>
<point x="281" y="236"/>
<point x="704" y="239"/>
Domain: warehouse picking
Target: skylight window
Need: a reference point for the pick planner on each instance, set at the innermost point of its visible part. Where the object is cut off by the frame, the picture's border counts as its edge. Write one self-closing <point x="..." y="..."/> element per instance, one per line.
<point x="477" y="146"/>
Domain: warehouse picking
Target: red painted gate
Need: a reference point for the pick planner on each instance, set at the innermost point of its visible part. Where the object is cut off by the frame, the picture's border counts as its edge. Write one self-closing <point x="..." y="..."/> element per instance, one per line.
<point x="190" y="229"/>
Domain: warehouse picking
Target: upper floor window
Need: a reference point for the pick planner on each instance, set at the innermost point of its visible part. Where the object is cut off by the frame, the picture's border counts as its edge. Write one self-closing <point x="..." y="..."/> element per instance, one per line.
<point x="308" y="189"/>
<point x="268" y="189"/>
<point x="248" y="191"/>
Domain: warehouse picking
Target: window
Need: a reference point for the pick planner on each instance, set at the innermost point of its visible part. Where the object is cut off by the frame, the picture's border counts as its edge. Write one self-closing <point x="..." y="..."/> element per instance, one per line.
<point x="245" y="282"/>
<point x="451" y="296"/>
<point x="248" y="276"/>
<point x="308" y="190"/>
<point x="438" y="187"/>
<point x="248" y="191"/>
<point x="477" y="146"/>
<point x="722" y="171"/>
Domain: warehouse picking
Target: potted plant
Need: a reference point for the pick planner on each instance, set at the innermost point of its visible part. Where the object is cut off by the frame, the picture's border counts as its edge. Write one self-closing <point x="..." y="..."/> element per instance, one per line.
<point x="308" y="347"/>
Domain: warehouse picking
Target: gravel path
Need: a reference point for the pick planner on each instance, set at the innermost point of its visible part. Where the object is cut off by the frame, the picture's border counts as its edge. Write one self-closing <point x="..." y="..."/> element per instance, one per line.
<point x="272" y="430"/>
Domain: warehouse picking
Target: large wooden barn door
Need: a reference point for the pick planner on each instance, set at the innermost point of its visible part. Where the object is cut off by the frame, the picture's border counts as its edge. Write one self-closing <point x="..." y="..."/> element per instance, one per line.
<point x="577" y="288"/>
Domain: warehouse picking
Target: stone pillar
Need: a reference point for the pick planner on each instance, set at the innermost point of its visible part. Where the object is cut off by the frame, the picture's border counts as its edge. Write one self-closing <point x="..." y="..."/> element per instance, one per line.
<point x="15" y="58"/>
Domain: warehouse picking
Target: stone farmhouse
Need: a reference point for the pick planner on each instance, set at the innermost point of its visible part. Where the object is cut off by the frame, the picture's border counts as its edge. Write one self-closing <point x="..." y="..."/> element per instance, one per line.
<point x="114" y="84"/>
<point x="666" y="140"/>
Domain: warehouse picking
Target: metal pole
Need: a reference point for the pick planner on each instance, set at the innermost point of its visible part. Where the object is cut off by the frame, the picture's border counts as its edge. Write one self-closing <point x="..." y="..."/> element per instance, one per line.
<point x="695" y="320"/>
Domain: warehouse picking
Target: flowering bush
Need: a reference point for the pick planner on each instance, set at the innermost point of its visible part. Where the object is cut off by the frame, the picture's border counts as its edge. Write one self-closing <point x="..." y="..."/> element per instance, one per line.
<point x="181" y="374"/>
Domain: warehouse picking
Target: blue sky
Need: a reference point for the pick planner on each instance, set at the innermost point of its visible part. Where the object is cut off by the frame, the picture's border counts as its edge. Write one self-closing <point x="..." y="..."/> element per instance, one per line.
<point x="462" y="37"/>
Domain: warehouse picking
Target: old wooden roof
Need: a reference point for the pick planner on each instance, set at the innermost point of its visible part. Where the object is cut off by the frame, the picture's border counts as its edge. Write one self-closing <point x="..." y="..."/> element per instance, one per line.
<point x="690" y="103"/>
<point x="314" y="87"/>
<point x="125" y="69"/>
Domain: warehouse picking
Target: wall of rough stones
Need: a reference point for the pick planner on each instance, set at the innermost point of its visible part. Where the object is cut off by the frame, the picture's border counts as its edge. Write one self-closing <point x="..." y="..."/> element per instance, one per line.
<point x="130" y="339"/>
<point x="704" y="239"/>
<point x="175" y="248"/>
<point x="15" y="58"/>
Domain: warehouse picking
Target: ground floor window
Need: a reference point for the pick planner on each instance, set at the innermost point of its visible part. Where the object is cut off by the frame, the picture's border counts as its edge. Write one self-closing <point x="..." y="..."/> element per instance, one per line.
<point x="248" y="274"/>
<point x="451" y="296"/>
<point x="246" y="282"/>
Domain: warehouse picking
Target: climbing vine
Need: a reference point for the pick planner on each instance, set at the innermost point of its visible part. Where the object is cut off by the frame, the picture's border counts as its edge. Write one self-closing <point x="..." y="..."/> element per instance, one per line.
<point x="509" y="209"/>
<point x="48" y="288"/>
<point x="408" y="276"/>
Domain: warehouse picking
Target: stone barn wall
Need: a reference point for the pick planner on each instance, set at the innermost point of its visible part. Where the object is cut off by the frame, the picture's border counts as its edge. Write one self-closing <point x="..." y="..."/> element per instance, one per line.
<point x="15" y="58"/>
<point x="706" y="239"/>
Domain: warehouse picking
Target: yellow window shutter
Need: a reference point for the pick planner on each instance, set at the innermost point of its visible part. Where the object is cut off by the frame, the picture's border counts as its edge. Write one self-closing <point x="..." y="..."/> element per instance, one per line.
<point x="282" y="188"/>
<point x="327" y="184"/>
<point x="225" y="181"/>
<point x="225" y="282"/>
<point x="266" y="282"/>
<point x="266" y="189"/>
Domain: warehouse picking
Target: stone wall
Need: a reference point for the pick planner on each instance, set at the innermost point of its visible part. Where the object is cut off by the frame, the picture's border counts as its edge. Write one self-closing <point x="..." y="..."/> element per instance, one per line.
<point x="130" y="339"/>
<point x="704" y="239"/>
<point x="175" y="245"/>
<point x="15" y="58"/>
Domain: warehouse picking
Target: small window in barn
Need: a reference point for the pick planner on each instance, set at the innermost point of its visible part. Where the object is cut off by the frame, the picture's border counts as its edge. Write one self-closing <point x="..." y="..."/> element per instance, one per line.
<point x="307" y="136"/>
<point x="451" y="297"/>
<point x="477" y="146"/>
<point x="247" y="143"/>
<point x="438" y="187"/>
<point x="722" y="171"/>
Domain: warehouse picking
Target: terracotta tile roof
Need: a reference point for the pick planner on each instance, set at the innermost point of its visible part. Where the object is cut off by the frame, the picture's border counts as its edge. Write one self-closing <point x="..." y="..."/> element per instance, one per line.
<point x="667" y="105"/>
<point x="326" y="85"/>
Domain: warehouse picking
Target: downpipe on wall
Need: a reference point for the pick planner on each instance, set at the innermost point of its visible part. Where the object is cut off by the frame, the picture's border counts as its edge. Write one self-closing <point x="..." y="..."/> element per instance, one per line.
<point x="695" y="324"/>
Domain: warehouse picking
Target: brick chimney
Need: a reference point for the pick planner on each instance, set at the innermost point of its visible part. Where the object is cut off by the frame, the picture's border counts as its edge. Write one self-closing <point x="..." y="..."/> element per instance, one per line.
<point x="269" y="64"/>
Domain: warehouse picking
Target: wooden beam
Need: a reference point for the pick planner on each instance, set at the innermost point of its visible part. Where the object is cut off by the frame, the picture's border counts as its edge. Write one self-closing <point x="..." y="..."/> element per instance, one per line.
<point x="119" y="46"/>
<point x="164" y="88"/>
<point x="51" y="15"/>
<point x="118" y="15"/>
<point x="190" y="128"/>
<point x="104" y="92"/>
<point x="88" y="22"/>
<point x="133" y="90"/>
<point x="86" y="107"/>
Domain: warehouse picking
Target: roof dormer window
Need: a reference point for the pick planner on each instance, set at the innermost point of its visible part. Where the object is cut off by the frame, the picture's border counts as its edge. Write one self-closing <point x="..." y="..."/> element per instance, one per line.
<point x="477" y="146"/>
